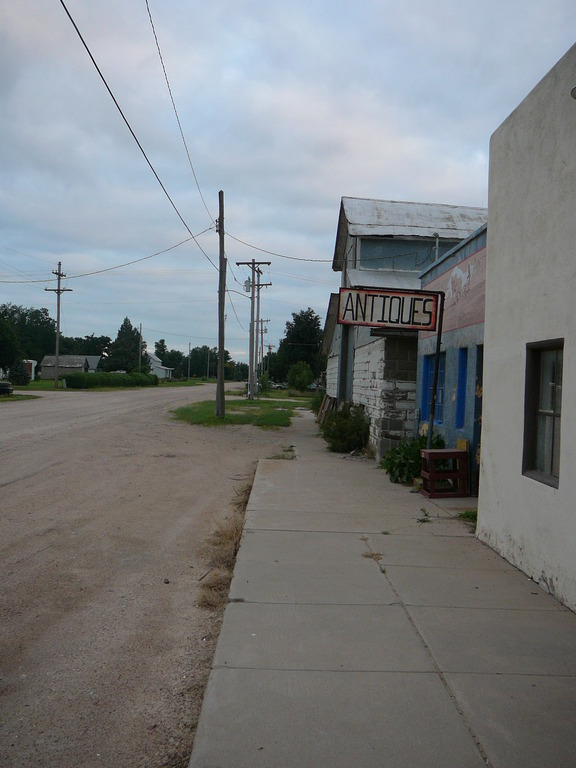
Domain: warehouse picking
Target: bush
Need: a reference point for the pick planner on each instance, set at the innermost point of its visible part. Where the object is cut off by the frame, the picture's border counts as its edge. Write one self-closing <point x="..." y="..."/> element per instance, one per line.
<point x="93" y="380"/>
<point x="19" y="374"/>
<point x="300" y="376"/>
<point x="316" y="402"/>
<point x="403" y="463"/>
<point x="346" y="430"/>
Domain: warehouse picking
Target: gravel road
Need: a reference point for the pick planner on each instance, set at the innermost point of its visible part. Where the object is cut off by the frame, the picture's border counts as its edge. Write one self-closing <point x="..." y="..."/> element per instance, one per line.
<point x="105" y="503"/>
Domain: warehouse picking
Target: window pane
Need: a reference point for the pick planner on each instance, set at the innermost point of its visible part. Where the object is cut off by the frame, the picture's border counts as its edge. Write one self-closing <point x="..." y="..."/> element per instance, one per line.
<point x="547" y="380"/>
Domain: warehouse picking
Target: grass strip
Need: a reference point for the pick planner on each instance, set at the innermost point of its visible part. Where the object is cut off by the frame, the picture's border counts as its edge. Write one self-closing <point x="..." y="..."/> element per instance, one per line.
<point x="268" y="414"/>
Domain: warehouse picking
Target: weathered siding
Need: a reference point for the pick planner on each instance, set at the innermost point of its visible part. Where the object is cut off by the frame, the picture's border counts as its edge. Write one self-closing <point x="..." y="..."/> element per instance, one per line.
<point x="385" y="384"/>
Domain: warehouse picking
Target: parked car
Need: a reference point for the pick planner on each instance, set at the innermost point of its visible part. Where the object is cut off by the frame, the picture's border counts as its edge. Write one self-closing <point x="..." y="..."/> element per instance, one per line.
<point x="276" y="385"/>
<point x="6" y="388"/>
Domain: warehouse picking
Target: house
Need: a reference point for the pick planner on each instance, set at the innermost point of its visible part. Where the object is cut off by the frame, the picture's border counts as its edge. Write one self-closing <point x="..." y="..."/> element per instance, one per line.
<point x="157" y="369"/>
<point x="67" y="364"/>
<point x="460" y="274"/>
<point x="526" y="507"/>
<point x="386" y="244"/>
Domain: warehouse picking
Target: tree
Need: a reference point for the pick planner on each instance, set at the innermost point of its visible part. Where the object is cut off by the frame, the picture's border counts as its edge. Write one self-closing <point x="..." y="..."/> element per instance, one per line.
<point x="124" y="352"/>
<point x="302" y="342"/>
<point x="160" y="350"/>
<point x="89" y="345"/>
<point x="19" y="374"/>
<point x="35" y="329"/>
<point x="300" y="376"/>
<point x="10" y="351"/>
<point x="177" y="361"/>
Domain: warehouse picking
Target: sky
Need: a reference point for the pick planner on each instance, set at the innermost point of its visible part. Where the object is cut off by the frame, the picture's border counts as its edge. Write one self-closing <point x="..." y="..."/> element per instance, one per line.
<point x="284" y="106"/>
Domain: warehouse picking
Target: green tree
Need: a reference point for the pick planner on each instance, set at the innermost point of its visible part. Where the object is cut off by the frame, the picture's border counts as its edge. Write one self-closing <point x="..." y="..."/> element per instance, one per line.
<point x="160" y="349"/>
<point x="302" y="342"/>
<point x="124" y="351"/>
<point x="175" y="359"/>
<point x="10" y="351"/>
<point x="35" y="329"/>
<point x="19" y="374"/>
<point x="300" y="376"/>
<point x="87" y="345"/>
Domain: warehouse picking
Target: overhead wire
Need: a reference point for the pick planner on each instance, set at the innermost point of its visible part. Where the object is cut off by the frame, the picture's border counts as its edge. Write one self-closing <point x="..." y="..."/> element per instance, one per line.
<point x="140" y="147"/>
<point x="176" y="112"/>
<point x="110" y="269"/>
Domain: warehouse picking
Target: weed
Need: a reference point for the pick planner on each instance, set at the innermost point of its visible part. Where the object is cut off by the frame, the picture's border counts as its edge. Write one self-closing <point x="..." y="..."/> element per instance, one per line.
<point x="403" y="463"/>
<point x="469" y="516"/>
<point x="346" y="430"/>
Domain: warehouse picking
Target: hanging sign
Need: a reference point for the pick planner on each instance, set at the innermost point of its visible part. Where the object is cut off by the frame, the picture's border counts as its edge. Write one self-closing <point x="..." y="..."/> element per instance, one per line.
<point x="389" y="308"/>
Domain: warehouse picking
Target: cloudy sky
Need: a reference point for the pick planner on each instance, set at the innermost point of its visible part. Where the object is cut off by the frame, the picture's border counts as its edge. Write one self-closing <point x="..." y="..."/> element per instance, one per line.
<point x="285" y="106"/>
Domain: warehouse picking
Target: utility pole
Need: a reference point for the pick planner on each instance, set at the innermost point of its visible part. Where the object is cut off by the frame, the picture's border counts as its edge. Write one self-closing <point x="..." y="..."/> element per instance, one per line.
<point x="220" y="399"/>
<point x="140" y="349"/>
<point x="189" y="344"/>
<point x="58" y="291"/>
<point x="255" y="267"/>
<point x="263" y="330"/>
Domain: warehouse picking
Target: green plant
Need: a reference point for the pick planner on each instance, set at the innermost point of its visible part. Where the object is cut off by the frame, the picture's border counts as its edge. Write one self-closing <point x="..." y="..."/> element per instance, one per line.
<point x="300" y="376"/>
<point x="346" y="430"/>
<point x="469" y="516"/>
<point x="316" y="402"/>
<point x="403" y="463"/>
<point x="19" y="374"/>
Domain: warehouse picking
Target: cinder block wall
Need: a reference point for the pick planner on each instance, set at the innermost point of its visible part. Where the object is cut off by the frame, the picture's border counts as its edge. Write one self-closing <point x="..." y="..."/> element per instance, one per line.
<point x="385" y="384"/>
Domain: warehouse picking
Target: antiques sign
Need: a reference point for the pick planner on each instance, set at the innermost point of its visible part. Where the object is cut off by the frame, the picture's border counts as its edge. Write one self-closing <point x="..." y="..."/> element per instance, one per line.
<point x="389" y="308"/>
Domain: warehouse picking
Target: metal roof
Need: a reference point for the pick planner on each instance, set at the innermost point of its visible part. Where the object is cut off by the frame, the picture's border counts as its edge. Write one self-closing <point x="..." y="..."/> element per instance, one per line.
<point x="360" y="217"/>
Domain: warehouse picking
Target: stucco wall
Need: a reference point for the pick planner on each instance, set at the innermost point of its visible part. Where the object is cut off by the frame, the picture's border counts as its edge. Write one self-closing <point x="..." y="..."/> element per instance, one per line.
<point x="530" y="282"/>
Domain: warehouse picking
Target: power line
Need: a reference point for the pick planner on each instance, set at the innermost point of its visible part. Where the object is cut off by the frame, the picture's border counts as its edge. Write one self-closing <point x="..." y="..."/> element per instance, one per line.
<point x="176" y="112"/>
<point x="280" y="255"/>
<point x="117" y="266"/>
<point x="140" y="147"/>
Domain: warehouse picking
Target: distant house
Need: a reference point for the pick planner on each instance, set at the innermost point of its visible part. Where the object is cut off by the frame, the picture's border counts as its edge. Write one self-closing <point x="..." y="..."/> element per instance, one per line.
<point x="156" y="367"/>
<point x="386" y="244"/>
<point x="526" y="507"/>
<point x="461" y="275"/>
<point x="68" y="364"/>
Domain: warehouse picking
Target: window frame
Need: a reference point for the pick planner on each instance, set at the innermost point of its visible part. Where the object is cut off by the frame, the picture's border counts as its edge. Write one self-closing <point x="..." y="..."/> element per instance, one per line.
<point x="427" y="384"/>
<point x="534" y="413"/>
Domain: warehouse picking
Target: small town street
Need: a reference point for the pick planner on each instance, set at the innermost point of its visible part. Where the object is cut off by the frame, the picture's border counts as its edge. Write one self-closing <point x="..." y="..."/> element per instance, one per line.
<point x="105" y="504"/>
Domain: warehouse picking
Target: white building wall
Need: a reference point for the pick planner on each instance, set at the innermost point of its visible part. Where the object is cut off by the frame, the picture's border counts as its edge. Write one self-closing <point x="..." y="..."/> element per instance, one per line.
<point x="530" y="297"/>
<point x="368" y="383"/>
<point x="332" y="376"/>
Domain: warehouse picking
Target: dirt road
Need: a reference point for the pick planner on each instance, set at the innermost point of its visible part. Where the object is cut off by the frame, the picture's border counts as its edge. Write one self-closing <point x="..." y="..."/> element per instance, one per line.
<point x="105" y="502"/>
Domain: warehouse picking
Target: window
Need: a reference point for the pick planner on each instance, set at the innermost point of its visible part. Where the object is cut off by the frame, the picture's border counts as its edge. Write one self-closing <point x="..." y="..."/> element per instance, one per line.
<point x="461" y="389"/>
<point x="428" y="384"/>
<point x="542" y="411"/>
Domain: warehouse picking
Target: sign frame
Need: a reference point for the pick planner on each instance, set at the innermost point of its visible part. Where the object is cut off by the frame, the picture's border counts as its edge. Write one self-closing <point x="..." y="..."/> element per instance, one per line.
<point x="390" y="308"/>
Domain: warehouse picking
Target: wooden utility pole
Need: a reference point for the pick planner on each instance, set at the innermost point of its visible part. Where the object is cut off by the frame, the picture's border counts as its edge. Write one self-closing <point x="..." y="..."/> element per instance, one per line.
<point x="220" y="399"/>
<point x="58" y="291"/>
<point x="253" y="352"/>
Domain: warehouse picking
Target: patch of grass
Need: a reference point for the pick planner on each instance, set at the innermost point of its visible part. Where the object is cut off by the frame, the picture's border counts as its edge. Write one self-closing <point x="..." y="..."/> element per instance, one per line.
<point x="12" y="398"/>
<point x="270" y="414"/>
<point x="469" y="516"/>
<point x="287" y="454"/>
<point x="221" y="548"/>
<point x="425" y="516"/>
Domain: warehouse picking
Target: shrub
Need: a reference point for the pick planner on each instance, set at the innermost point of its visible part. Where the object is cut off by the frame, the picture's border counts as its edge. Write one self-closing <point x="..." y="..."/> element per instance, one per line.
<point x="300" y="376"/>
<point x="346" y="430"/>
<point x="19" y="374"/>
<point x="316" y="402"/>
<point x="93" y="380"/>
<point x="403" y="463"/>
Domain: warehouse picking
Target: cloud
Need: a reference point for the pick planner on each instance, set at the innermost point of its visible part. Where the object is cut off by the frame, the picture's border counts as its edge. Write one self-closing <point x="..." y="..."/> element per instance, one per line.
<point x="286" y="107"/>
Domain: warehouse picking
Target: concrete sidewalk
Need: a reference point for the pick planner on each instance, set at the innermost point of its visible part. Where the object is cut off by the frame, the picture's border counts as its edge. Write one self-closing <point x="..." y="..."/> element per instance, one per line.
<point x="367" y="627"/>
